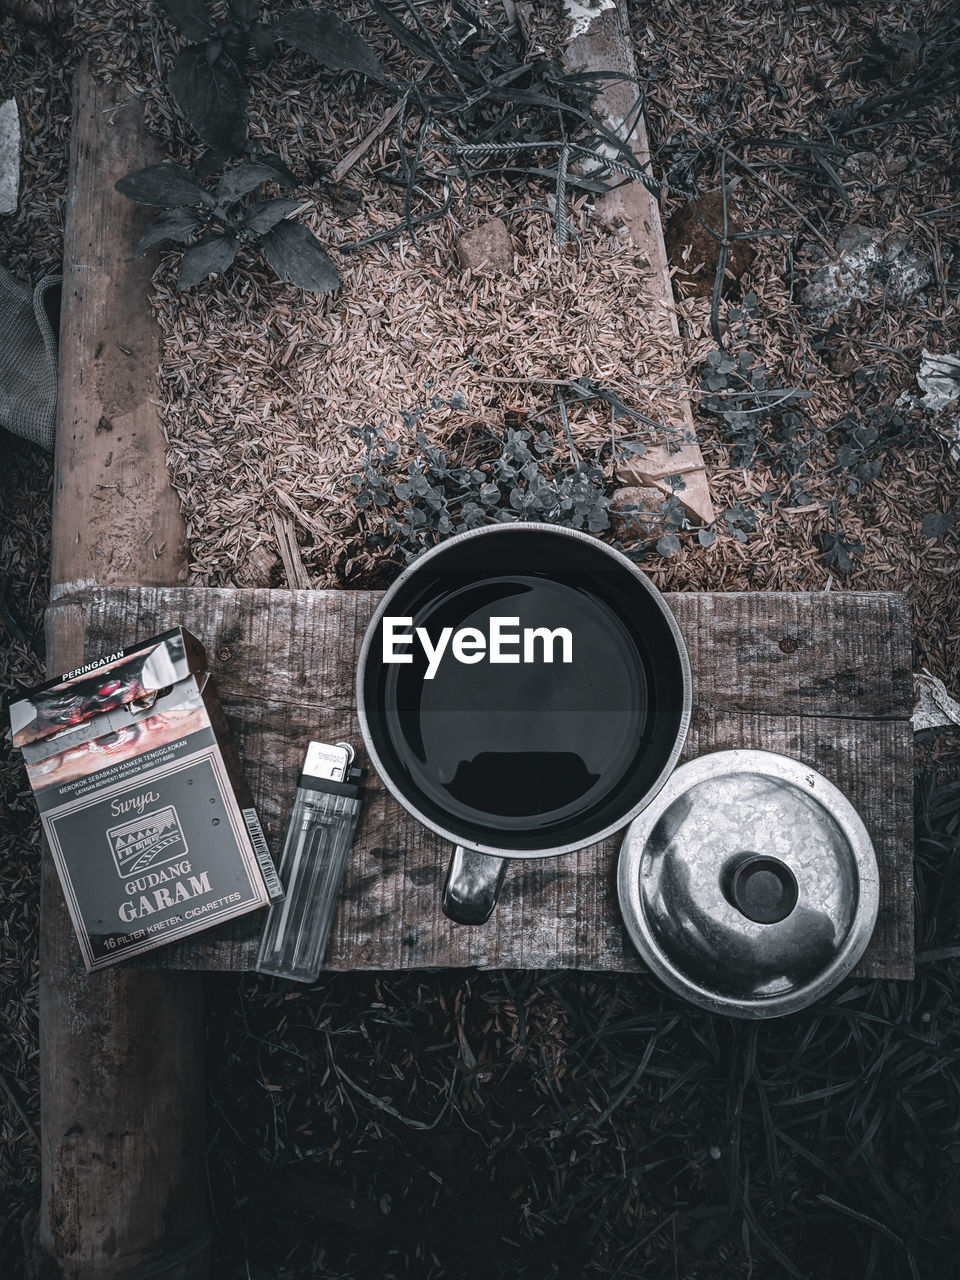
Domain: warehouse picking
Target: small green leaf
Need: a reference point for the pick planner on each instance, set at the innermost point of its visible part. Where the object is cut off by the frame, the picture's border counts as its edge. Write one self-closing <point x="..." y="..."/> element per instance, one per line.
<point x="236" y="42"/>
<point x="208" y="164"/>
<point x="668" y="545"/>
<point x="244" y="11"/>
<point x="935" y="523"/>
<point x="329" y="39"/>
<point x="264" y="214"/>
<point x="707" y="536"/>
<point x="165" y="186"/>
<point x="213" y="253"/>
<point x="172" y="224"/>
<point x="236" y="182"/>
<point x="213" y="98"/>
<point x="190" y="17"/>
<point x="262" y="39"/>
<point x="283" y="176"/>
<point x="298" y="257"/>
<point x="838" y="553"/>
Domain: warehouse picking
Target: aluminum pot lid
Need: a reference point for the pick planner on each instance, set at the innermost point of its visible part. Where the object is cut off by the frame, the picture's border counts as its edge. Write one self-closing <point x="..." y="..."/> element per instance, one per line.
<point x="749" y="884"/>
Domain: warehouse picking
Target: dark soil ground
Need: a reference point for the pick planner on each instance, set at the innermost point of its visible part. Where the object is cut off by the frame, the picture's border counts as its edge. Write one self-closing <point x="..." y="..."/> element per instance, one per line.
<point x="25" y="496"/>
<point x="488" y="1124"/>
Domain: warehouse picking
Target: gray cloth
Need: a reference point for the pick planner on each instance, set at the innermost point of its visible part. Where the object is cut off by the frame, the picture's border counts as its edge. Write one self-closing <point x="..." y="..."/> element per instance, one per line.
<point x="28" y="359"/>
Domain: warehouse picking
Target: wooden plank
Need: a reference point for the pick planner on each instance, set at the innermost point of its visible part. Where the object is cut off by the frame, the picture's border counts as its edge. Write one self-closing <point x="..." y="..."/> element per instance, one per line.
<point x="822" y="677"/>
<point x="831" y="653"/>
<point x="603" y="44"/>
<point x="845" y="653"/>
<point x="121" y="1064"/>
<point x="115" y="516"/>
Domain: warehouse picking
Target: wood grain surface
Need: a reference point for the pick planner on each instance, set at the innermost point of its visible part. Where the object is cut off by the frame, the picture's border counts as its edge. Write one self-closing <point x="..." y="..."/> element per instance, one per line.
<point x="116" y="517"/>
<point x="605" y="46"/>
<point x="123" y="1180"/>
<point x="824" y="677"/>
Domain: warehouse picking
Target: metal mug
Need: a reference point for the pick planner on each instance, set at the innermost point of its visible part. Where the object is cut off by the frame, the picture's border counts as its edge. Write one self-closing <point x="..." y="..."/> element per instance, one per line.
<point x="534" y="740"/>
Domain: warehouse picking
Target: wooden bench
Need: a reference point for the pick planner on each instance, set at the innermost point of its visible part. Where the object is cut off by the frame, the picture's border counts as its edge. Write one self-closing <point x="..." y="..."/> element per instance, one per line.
<point x="822" y="677"/>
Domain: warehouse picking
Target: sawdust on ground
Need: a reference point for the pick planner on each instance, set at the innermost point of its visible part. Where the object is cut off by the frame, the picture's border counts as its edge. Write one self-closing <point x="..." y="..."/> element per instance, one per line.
<point x="260" y="383"/>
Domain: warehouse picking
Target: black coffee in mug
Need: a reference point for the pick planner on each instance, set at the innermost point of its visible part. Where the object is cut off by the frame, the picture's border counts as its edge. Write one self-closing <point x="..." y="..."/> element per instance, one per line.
<point x="526" y="743"/>
<point x="523" y="690"/>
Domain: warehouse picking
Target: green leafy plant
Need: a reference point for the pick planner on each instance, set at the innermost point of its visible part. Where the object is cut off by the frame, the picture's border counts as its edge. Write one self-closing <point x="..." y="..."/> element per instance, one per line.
<point x="208" y="79"/>
<point x="482" y="106"/>
<point x="739" y="520"/>
<point x="760" y="418"/>
<point x="518" y="475"/>
<point x="508" y="481"/>
<point x="672" y="517"/>
<point x="936" y="523"/>
<point x="217" y="225"/>
<point x="862" y="439"/>
<point x="762" y="421"/>
<point x="838" y="553"/>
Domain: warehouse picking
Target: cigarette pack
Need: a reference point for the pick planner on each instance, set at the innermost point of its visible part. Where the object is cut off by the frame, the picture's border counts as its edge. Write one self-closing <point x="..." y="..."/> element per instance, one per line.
<point x="148" y="817"/>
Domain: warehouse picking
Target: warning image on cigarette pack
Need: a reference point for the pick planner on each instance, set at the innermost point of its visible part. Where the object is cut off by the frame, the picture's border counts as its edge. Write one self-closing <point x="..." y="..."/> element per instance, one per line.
<point x="148" y="841"/>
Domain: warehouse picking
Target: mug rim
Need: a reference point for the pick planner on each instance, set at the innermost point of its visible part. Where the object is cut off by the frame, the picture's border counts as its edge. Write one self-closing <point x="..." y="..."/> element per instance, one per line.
<point x="656" y="597"/>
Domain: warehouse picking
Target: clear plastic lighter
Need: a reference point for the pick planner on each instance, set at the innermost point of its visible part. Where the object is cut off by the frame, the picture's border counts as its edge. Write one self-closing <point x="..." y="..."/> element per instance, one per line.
<point x="320" y="832"/>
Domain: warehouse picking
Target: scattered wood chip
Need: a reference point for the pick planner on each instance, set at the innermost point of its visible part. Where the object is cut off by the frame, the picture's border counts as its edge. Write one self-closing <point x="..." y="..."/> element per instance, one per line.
<point x="297" y="576"/>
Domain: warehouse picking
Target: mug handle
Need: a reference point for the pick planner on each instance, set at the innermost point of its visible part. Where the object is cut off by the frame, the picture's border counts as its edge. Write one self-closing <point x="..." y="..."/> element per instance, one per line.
<point x="472" y="886"/>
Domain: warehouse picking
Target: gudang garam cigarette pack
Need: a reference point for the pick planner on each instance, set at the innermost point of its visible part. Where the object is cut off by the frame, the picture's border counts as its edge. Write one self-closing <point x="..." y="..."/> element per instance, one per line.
<point x="147" y="815"/>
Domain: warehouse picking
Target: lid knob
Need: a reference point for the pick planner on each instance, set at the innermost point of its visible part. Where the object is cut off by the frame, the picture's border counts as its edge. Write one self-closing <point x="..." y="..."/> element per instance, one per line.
<point x="763" y="889"/>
